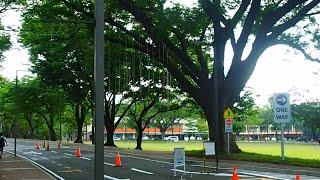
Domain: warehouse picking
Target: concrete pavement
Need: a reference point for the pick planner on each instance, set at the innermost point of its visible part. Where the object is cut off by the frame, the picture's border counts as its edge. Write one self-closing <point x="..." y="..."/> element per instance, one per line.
<point x="16" y="168"/>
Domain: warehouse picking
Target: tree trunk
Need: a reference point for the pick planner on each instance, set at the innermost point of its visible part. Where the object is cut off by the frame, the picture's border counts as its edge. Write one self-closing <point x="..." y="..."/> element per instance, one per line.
<point x="163" y="134"/>
<point x="139" y="138"/>
<point x="110" y="133"/>
<point x="79" y="133"/>
<point x="52" y="133"/>
<point x="79" y="116"/>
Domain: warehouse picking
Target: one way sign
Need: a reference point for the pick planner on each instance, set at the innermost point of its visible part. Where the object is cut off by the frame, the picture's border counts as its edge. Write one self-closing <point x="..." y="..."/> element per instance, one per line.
<point x="281" y="108"/>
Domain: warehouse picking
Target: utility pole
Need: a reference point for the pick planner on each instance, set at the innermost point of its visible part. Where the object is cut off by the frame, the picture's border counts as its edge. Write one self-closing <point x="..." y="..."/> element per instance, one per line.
<point x="99" y="91"/>
<point x="15" y="115"/>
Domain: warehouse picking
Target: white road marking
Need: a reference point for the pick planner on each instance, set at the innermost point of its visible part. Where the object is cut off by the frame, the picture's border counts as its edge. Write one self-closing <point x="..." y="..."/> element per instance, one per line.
<point x="67" y="154"/>
<point x="149" y="160"/>
<point x="113" y="178"/>
<point x="32" y="152"/>
<point x="109" y="164"/>
<point x="142" y="171"/>
<point x="54" y="152"/>
<point x="85" y="158"/>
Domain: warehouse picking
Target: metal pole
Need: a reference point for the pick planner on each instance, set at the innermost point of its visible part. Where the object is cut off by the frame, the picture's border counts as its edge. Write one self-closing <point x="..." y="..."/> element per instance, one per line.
<point x="228" y="142"/>
<point x="282" y="143"/>
<point x="99" y="91"/>
<point x="60" y="123"/>
<point x="15" y="115"/>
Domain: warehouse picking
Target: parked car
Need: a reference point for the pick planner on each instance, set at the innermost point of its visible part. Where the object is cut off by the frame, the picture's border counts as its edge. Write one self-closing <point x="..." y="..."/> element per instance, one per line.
<point x="186" y="138"/>
<point x="192" y="138"/>
<point x="199" y="138"/>
<point x="115" y="138"/>
<point x="145" y="138"/>
<point x="173" y="138"/>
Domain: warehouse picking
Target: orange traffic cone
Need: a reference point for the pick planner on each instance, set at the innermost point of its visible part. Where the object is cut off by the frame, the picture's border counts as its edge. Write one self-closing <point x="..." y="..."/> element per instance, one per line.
<point x="48" y="147"/>
<point x="235" y="173"/>
<point x="118" y="160"/>
<point x="78" y="153"/>
<point x="59" y="144"/>
<point x="44" y="144"/>
<point x="298" y="177"/>
<point x="37" y="145"/>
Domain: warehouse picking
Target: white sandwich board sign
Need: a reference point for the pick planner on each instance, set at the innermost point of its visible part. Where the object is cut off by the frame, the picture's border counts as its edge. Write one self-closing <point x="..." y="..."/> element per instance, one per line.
<point x="179" y="159"/>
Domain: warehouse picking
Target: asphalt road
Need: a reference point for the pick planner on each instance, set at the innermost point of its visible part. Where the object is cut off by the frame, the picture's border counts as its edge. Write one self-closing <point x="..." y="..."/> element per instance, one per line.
<point x="63" y="163"/>
<point x="144" y="165"/>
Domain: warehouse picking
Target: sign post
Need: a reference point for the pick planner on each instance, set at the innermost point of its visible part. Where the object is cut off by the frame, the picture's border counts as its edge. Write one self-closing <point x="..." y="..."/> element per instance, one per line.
<point x="281" y="113"/>
<point x="228" y="127"/>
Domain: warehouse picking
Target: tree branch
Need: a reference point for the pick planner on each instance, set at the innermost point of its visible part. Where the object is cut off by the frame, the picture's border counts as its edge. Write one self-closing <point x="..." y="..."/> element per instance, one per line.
<point x="240" y="12"/>
<point x="297" y="47"/>
<point x="294" y="20"/>
<point x="246" y="31"/>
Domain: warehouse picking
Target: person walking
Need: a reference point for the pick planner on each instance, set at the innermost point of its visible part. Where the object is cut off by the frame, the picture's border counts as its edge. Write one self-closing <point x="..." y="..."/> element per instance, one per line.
<point x="3" y="142"/>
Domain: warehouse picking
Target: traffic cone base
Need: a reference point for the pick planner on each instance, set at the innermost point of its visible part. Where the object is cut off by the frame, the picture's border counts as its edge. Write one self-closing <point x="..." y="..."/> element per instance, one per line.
<point x="298" y="177"/>
<point x="118" y="160"/>
<point x="78" y="153"/>
<point x="235" y="173"/>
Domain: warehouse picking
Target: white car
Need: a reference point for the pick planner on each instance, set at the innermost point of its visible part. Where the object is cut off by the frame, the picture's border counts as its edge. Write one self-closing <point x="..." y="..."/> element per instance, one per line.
<point x="116" y="138"/>
<point x="173" y="138"/>
<point x="192" y="138"/>
<point x="145" y="138"/>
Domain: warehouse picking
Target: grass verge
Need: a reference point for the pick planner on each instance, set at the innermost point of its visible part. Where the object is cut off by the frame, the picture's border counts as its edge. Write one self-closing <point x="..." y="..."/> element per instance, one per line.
<point x="254" y="157"/>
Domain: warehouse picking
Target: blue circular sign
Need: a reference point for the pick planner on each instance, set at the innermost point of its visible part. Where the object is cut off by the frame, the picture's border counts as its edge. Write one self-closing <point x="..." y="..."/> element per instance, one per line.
<point x="281" y="99"/>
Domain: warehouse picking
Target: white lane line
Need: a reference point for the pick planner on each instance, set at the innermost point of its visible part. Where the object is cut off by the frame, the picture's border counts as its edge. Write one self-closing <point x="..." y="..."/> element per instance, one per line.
<point x="149" y="160"/>
<point x="32" y="152"/>
<point x="113" y="178"/>
<point x="54" y="152"/>
<point x="40" y="166"/>
<point x="85" y="158"/>
<point x="109" y="164"/>
<point x="141" y="171"/>
<point x="67" y="154"/>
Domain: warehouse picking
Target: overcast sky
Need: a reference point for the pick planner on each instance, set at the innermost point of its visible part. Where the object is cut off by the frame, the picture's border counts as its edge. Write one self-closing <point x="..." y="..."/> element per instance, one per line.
<point x="279" y="69"/>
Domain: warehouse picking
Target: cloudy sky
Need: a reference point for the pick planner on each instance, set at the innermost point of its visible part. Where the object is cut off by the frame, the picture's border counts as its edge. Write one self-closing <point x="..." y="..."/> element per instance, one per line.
<point x="279" y="69"/>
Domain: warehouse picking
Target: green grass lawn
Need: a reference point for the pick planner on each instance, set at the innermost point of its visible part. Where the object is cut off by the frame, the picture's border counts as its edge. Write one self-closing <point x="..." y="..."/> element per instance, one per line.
<point x="161" y="145"/>
<point x="293" y="150"/>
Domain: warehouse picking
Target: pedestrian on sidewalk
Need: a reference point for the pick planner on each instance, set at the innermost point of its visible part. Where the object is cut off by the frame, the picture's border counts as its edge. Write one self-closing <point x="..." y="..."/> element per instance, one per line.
<point x="3" y="142"/>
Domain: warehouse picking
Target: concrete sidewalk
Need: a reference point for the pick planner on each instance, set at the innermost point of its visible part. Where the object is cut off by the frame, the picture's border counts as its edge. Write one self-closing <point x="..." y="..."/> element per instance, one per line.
<point x="16" y="168"/>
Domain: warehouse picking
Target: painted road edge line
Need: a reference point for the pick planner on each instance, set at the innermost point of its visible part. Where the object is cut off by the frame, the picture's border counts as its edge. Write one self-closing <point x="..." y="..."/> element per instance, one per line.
<point x="40" y="166"/>
<point x="113" y="178"/>
<point x="67" y="154"/>
<point x="85" y="158"/>
<point x="142" y="171"/>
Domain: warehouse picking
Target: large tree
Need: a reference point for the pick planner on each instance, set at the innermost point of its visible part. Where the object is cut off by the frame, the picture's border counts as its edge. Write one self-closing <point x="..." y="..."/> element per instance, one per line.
<point x="309" y="114"/>
<point x="190" y="42"/>
<point x="189" y="34"/>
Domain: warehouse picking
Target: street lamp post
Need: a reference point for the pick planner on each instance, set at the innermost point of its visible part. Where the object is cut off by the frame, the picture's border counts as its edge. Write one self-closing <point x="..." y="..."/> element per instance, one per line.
<point x="15" y="113"/>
